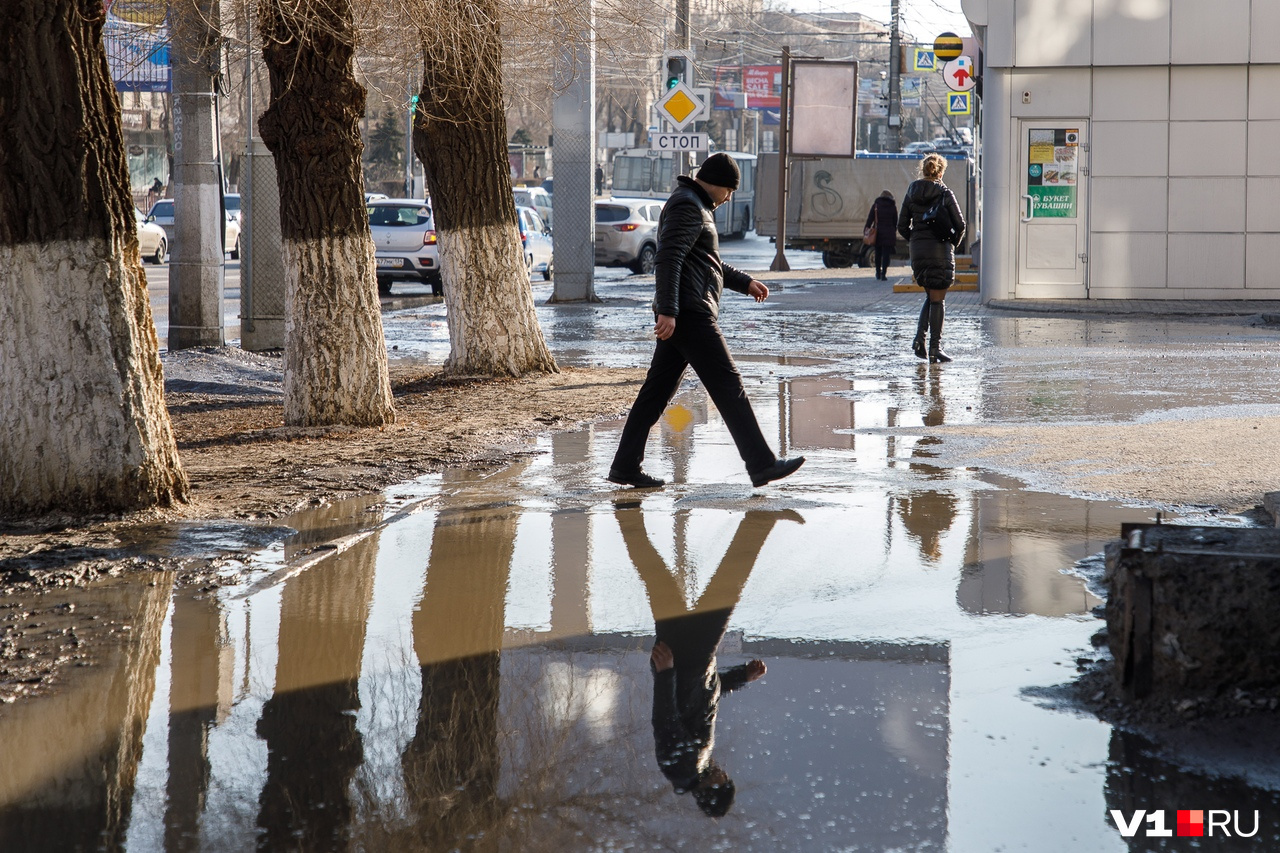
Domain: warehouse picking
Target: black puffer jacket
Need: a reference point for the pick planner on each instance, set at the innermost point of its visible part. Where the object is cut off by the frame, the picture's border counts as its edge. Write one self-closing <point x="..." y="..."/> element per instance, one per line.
<point x="684" y="719"/>
<point x="689" y="273"/>
<point x="926" y="249"/>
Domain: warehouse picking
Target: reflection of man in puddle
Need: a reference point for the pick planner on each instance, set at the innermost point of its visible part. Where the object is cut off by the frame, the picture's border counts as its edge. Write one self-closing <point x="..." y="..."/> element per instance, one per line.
<point x="686" y="684"/>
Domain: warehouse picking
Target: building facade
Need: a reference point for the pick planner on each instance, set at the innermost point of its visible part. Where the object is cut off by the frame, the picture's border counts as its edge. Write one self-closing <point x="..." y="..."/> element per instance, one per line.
<point x="1129" y="148"/>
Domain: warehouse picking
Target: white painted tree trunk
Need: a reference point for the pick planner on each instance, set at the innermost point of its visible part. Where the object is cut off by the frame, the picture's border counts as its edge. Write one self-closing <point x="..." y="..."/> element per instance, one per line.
<point x="335" y="354"/>
<point x="493" y="324"/>
<point x="83" y="425"/>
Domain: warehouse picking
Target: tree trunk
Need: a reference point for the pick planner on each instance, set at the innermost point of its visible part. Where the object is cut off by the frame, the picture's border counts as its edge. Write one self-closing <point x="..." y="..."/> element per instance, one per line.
<point x="83" y="427"/>
<point x="335" y="369"/>
<point x="460" y="134"/>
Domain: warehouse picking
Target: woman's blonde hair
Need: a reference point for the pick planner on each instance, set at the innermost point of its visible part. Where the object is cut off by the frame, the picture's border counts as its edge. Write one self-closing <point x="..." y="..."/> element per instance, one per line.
<point x="932" y="167"/>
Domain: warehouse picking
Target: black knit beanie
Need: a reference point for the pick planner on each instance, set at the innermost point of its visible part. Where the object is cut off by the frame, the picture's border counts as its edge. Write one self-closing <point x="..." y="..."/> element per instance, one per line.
<point x="720" y="170"/>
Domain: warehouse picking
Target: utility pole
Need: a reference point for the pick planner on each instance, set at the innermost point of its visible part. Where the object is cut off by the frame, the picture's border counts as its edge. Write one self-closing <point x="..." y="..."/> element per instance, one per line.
<point x="573" y="125"/>
<point x="196" y="250"/>
<point x="780" y="241"/>
<point x="895" y="78"/>
<point x="408" y="143"/>
<point x="681" y="164"/>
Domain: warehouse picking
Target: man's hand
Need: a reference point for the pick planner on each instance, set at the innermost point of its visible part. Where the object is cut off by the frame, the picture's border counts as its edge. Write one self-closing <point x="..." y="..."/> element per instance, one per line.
<point x="758" y="290"/>
<point x="662" y="658"/>
<point x="755" y="669"/>
<point x="665" y="327"/>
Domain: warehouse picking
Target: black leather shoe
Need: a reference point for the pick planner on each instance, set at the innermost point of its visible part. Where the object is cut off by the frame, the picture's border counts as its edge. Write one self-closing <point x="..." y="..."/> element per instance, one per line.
<point x="637" y="479"/>
<point x="917" y="347"/>
<point x="936" y="355"/>
<point x="776" y="471"/>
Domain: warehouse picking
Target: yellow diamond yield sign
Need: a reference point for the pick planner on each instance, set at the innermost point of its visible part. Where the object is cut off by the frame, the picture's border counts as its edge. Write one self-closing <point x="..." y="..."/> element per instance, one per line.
<point x="681" y="105"/>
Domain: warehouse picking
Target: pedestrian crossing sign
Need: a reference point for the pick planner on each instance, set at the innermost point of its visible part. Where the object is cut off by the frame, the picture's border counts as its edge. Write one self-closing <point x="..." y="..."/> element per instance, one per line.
<point x="925" y="59"/>
<point x="959" y="103"/>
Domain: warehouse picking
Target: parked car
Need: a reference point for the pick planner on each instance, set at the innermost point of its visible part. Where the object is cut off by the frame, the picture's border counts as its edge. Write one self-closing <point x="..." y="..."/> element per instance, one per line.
<point x="368" y="197"/>
<point x="627" y="233"/>
<point x="535" y="237"/>
<point x="161" y="214"/>
<point x="153" y="244"/>
<point x="920" y="148"/>
<point x="537" y="198"/>
<point x="547" y="186"/>
<point x="232" y="203"/>
<point x="404" y="240"/>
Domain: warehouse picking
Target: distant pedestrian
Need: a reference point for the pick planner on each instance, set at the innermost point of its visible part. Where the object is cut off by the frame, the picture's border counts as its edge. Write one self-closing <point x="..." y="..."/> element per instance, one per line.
<point x="884" y="216"/>
<point x="599" y="180"/>
<point x="933" y="259"/>
<point x="157" y="187"/>
<point x="689" y="277"/>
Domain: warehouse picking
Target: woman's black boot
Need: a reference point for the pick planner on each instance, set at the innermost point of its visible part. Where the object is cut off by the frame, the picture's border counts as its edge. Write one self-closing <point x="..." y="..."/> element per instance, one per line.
<point x="917" y="345"/>
<point x="936" y="355"/>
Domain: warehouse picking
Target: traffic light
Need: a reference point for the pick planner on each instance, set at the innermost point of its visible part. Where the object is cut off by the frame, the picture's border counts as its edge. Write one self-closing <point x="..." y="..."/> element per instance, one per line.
<point x="675" y="71"/>
<point x="677" y="67"/>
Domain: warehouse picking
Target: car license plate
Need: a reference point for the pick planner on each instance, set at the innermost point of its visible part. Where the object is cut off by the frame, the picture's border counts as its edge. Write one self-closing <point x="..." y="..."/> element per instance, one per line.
<point x="396" y="263"/>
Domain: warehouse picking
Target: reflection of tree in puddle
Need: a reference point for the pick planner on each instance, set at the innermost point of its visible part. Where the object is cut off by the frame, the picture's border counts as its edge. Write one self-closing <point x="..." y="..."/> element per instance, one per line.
<point x="70" y="759"/>
<point x="309" y="723"/>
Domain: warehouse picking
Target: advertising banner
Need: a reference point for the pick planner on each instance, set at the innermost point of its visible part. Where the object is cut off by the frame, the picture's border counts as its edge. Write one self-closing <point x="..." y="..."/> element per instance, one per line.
<point x="1052" y="172"/>
<point x="136" y="39"/>
<point x="763" y="85"/>
<point x="728" y="83"/>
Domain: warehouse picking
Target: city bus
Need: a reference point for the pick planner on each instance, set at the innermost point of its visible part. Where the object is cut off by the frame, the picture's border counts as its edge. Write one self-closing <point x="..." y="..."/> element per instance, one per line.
<point x="648" y="173"/>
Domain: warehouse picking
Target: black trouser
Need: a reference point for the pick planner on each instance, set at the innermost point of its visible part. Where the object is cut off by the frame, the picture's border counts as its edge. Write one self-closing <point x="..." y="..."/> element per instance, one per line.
<point x="697" y="342"/>
<point x="883" y="254"/>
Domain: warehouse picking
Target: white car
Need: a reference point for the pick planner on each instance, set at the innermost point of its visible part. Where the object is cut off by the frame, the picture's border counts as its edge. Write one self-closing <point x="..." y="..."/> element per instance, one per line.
<point x="535" y="237"/>
<point x="231" y="201"/>
<point x="153" y="244"/>
<point x="537" y="198"/>
<point x="161" y="214"/>
<point x="627" y="233"/>
<point x="404" y="242"/>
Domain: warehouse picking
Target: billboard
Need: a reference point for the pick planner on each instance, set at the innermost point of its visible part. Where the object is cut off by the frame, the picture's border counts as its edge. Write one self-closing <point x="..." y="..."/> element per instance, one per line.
<point x="761" y="83"/>
<point x="136" y="39"/>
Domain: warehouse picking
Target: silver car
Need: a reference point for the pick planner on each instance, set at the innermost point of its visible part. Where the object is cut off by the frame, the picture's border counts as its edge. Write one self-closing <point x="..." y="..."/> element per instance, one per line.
<point x="404" y="242"/>
<point x="627" y="233"/>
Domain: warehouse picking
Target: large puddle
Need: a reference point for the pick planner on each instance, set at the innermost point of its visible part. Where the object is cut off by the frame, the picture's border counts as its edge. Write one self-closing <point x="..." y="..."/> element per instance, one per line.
<point x="464" y="663"/>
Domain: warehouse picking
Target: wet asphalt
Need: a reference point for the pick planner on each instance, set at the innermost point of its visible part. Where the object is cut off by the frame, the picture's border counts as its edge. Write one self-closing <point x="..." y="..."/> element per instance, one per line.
<point x="467" y="656"/>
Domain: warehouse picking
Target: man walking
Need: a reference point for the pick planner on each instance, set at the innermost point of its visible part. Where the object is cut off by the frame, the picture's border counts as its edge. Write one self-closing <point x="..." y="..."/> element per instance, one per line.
<point x="690" y="278"/>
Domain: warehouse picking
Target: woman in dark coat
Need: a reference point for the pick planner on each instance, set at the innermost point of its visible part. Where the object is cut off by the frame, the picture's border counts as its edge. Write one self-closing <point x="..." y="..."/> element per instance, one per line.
<point x="933" y="259"/>
<point x="884" y="214"/>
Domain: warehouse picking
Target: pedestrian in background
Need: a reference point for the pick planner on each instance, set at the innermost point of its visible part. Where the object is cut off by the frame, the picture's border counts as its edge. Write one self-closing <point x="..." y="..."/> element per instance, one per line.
<point x="933" y="226"/>
<point x="599" y="180"/>
<point x="689" y="278"/>
<point x="884" y="217"/>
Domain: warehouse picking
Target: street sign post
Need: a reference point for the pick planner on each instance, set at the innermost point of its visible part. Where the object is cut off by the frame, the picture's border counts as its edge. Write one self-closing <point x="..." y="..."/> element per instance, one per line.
<point x="678" y="142"/>
<point x="959" y="103"/>
<point x="958" y="74"/>
<point x="948" y="46"/>
<point x="681" y="106"/>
